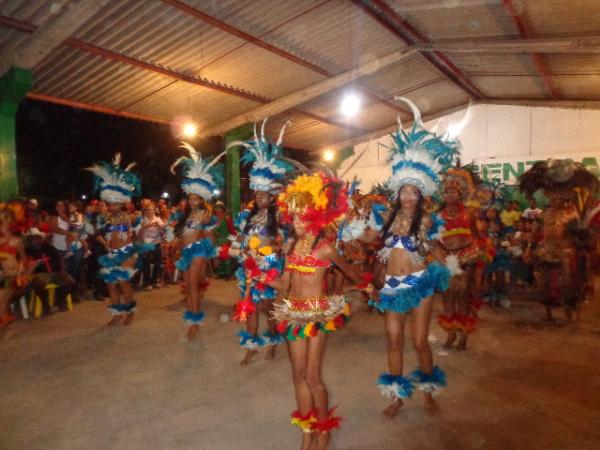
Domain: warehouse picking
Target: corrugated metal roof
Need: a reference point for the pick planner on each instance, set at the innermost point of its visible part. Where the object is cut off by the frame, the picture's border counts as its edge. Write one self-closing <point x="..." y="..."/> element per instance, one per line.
<point x="154" y="32"/>
<point x="448" y="19"/>
<point x="405" y="76"/>
<point x="37" y="12"/>
<point x="574" y="87"/>
<point x="437" y="97"/>
<point x="524" y="87"/>
<point x="260" y="71"/>
<point x="336" y="36"/>
<point x="481" y="64"/>
<point x="331" y="35"/>
<point x="561" y="17"/>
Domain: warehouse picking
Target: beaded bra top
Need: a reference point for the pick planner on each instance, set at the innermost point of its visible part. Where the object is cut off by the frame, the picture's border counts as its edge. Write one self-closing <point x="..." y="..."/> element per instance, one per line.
<point x="306" y="264"/>
<point x="7" y="250"/>
<point x="456" y="225"/>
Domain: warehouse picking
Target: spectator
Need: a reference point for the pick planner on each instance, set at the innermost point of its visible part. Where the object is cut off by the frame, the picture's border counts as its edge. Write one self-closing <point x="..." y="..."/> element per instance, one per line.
<point x="77" y="246"/>
<point x="151" y="233"/>
<point x="510" y="216"/>
<point x="49" y="270"/>
<point x="533" y="212"/>
<point x="59" y="227"/>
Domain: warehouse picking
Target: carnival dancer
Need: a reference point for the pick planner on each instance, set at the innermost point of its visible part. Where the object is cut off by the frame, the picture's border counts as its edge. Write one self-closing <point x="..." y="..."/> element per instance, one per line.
<point x="306" y="314"/>
<point x="202" y="179"/>
<point x="116" y="187"/>
<point x="259" y="242"/>
<point x="411" y="274"/>
<point x="458" y="239"/>
<point x="571" y="190"/>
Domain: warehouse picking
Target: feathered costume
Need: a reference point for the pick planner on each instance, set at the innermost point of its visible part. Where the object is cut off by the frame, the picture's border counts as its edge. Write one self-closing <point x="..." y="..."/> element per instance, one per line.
<point x="419" y="158"/>
<point x="268" y="173"/>
<point x="201" y="177"/>
<point x="459" y="225"/>
<point x="116" y="185"/>
<point x="562" y="254"/>
<point x="319" y="199"/>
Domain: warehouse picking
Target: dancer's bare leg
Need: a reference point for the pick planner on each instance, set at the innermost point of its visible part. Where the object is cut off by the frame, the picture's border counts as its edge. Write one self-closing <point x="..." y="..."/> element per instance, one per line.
<point x="449" y="311"/>
<point x="127" y="291"/>
<point x="195" y="277"/>
<point x="421" y="318"/>
<point x="314" y="360"/>
<point x="268" y="307"/>
<point x="114" y="293"/>
<point x="298" y="351"/>
<point x="252" y="328"/>
<point x="394" y="331"/>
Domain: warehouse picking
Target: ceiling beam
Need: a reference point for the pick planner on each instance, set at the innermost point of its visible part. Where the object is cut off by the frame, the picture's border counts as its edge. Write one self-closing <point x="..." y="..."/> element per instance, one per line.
<point x="223" y="88"/>
<point x="376" y="134"/>
<point x="393" y="22"/>
<point x="568" y="104"/>
<point x="201" y="15"/>
<point x="583" y="45"/>
<point x="308" y="93"/>
<point x="50" y="35"/>
<point x="537" y="59"/>
<point x="94" y="108"/>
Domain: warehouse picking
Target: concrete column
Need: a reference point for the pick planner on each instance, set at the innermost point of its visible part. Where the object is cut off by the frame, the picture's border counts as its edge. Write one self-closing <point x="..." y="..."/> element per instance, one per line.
<point x="13" y="87"/>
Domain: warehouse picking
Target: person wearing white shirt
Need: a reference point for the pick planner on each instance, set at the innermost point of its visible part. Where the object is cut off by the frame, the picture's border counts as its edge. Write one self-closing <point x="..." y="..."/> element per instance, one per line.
<point x="533" y="212"/>
<point x="151" y="233"/>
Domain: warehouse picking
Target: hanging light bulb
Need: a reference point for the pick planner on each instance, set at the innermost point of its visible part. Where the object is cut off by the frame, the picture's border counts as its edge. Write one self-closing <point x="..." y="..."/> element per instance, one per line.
<point x="189" y="130"/>
<point x="350" y="105"/>
<point x="328" y="155"/>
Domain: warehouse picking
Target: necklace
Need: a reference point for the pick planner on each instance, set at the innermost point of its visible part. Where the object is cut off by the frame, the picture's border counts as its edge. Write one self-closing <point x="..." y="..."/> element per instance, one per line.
<point x="402" y="223"/>
<point x="304" y="245"/>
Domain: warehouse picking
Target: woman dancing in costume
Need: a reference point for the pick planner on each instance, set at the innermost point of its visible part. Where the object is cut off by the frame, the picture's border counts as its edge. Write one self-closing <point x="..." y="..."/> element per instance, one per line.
<point x="458" y="241"/>
<point x="116" y="187"/>
<point x="202" y="179"/>
<point x="260" y="242"/>
<point x="412" y="277"/>
<point x="306" y="314"/>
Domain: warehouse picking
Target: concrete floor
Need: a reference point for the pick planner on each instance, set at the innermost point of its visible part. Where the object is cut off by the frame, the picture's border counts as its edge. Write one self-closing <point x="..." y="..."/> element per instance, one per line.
<point x="67" y="382"/>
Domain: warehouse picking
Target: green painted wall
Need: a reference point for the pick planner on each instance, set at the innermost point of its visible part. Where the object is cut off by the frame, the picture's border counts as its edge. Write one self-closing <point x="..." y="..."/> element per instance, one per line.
<point x="13" y="87"/>
<point x="232" y="167"/>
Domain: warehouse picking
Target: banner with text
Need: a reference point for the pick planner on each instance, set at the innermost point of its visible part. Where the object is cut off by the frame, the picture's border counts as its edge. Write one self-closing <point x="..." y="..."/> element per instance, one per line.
<point x="507" y="170"/>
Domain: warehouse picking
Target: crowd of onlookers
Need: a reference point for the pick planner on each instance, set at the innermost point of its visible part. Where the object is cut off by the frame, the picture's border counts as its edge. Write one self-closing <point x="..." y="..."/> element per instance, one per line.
<point x="66" y="242"/>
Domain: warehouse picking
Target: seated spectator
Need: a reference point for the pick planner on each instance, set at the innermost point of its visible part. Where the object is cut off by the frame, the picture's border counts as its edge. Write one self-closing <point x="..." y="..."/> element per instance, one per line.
<point x="49" y="270"/>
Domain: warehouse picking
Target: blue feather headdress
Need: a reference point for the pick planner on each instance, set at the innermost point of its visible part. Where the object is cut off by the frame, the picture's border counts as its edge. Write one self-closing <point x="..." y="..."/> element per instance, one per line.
<point x="115" y="184"/>
<point x="269" y="168"/>
<point x="419" y="156"/>
<point x="202" y="177"/>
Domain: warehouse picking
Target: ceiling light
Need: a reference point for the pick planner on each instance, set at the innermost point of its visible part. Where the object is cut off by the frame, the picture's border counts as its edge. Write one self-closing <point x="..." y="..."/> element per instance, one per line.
<point x="350" y="105"/>
<point x="189" y="130"/>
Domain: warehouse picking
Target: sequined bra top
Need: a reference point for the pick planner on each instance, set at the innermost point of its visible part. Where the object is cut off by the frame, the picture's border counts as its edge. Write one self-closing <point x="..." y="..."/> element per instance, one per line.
<point x="117" y="228"/>
<point x="307" y="264"/>
<point x="404" y="242"/>
<point x="192" y="225"/>
<point x="457" y="225"/>
<point x="7" y="250"/>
